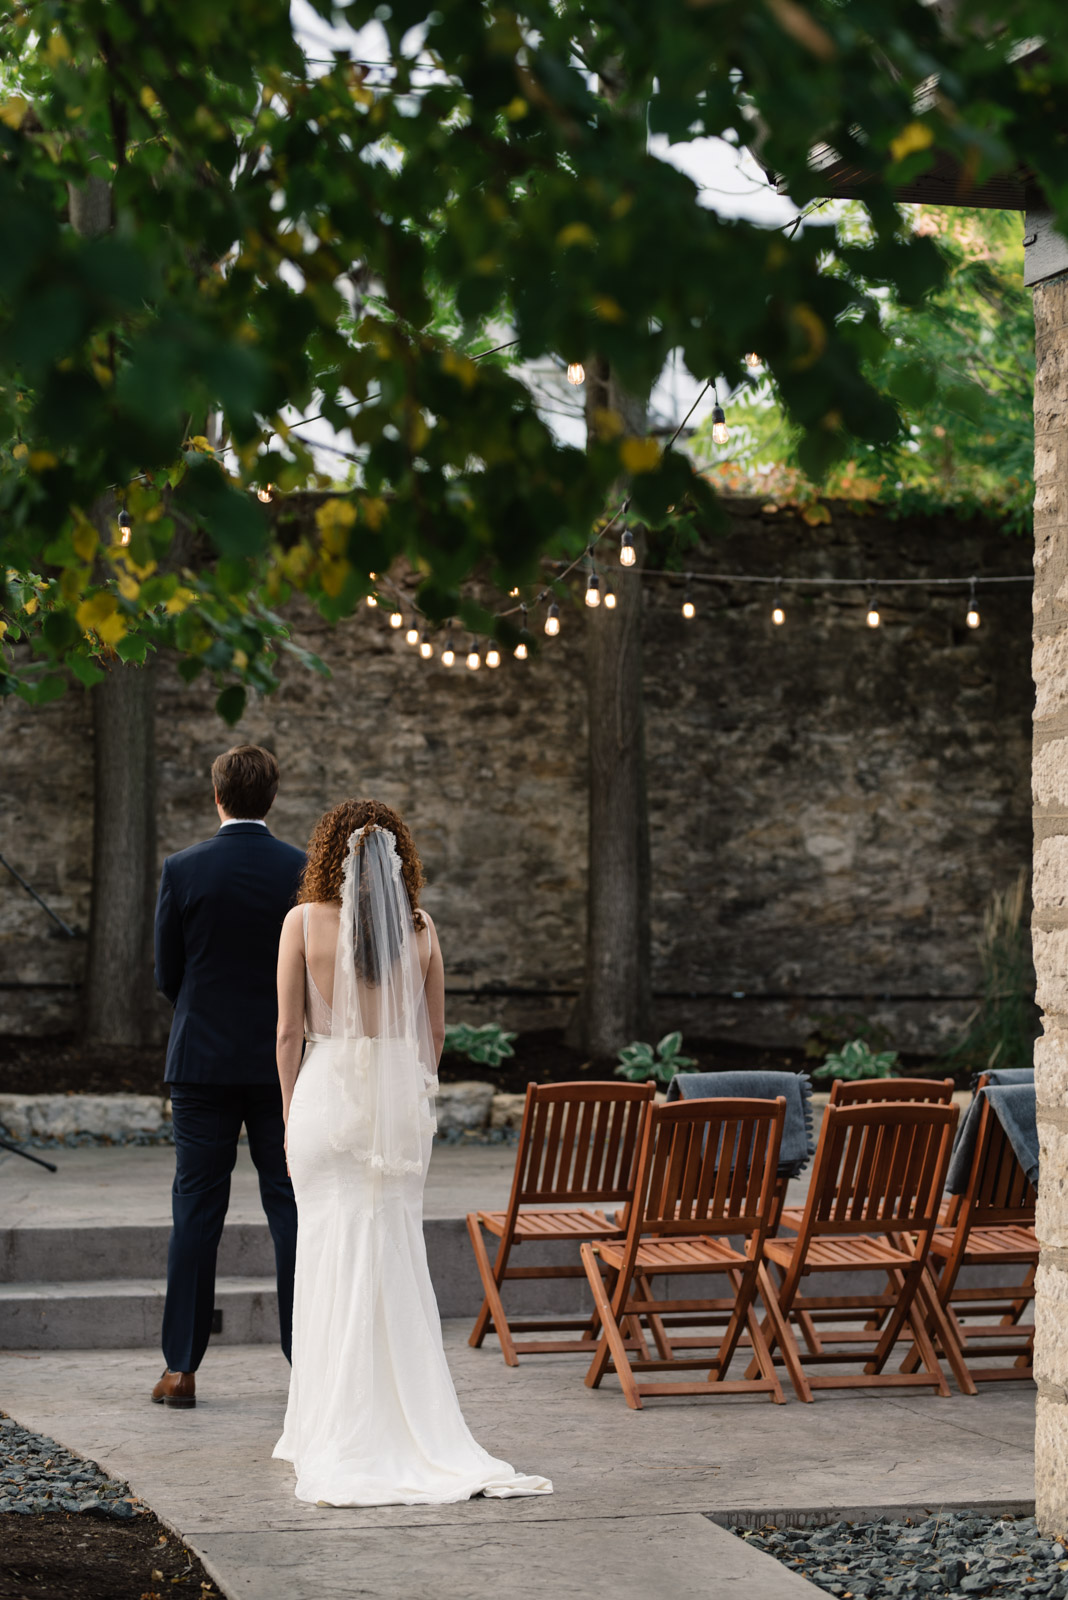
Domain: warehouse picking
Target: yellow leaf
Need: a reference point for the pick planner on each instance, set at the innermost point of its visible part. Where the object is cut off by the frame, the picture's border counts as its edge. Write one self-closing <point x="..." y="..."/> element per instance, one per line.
<point x="180" y="600"/>
<point x="418" y="432"/>
<point x="607" y="424"/>
<point x="129" y="588"/>
<point x="374" y="510"/>
<point x="31" y="605"/>
<point x="112" y="629"/>
<point x="3" y="627"/>
<point x="332" y="576"/>
<point x="815" y="514"/>
<point x="914" y="136"/>
<point x="516" y="109"/>
<point x="85" y="538"/>
<point x="240" y="661"/>
<point x="199" y="442"/>
<point x="639" y="455"/>
<point x="607" y="309"/>
<point x="42" y="460"/>
<point x="620" y="207"/>
<point x="334" y="518"/>
<point x="148" y="97"/>
<point x="96" y="611"/>
<point x="576" y="233"/>
<point x="13" y="110"/>
<point x="21" y="451"/>
<point x="459" y="366"/>
<point x="57" y="50"/>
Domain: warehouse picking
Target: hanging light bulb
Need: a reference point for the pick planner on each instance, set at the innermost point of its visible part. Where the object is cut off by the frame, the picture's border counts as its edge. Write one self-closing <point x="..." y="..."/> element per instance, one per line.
<point x="513" y="594"/>
<point x="627" y="553"/>
<point x="265" y="492"/>
<point x="689" y="610"/>
<point x="609" y="597"/>
<point x="593" y="591"/>
<point x="778" y="615"/>
<point x="493" y="656"/>
<point x="873" y="618"/>
<point x="426" y="649"/>
<point x="125" y="527"/>
<point x="552" y="620"/>
<point x="576" y="373"/>
<point x="474" y="658"/>
<point x="973" y="618"/>
<point x="752" y="359"/>
<point x="448" y="655"/>
<point x="412" y="636"/>
<point x="396" y="620"/>
<point x="521" y="650"/>
<point x="720" y="431"/>
<point x="372" y="600"/>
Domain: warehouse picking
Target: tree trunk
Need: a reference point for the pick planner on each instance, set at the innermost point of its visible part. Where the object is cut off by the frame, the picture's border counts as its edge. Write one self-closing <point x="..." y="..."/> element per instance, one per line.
<point x="119" y="983"/>
<point x="614" y="1006"/>
<point x="118" y="979"/>
<point x="1050" y="892"/>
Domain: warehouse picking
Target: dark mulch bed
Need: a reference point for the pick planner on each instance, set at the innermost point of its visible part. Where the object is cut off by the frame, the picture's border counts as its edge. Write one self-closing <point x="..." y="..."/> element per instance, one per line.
<point x="59" y="1557"/>
<point x="61" y="1066"/>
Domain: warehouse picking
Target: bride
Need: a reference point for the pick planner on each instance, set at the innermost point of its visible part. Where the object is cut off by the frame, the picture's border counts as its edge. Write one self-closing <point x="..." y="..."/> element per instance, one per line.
<point x="373" y="1417"/>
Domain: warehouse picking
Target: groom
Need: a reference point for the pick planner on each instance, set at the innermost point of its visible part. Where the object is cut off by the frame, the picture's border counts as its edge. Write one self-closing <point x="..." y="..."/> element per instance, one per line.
<point x="218" y="917"/>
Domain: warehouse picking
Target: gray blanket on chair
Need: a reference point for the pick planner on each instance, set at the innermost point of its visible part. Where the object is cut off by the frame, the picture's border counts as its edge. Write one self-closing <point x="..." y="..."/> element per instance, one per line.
<point x="1014" y="1106"/>
<point x="798" y="1147"/>
<point x="1006" y="1075"/>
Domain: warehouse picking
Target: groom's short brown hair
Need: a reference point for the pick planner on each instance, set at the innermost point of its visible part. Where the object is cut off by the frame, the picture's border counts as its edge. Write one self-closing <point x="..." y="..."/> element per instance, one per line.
<point x="246" y="780"/>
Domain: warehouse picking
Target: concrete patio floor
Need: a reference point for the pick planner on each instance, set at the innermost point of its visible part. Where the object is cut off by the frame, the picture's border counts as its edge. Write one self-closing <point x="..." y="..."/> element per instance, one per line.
<point x="638" y="1494"/>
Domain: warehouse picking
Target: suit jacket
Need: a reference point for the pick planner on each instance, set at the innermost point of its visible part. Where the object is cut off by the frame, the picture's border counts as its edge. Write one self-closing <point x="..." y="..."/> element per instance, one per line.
<point x="218" y="918"/>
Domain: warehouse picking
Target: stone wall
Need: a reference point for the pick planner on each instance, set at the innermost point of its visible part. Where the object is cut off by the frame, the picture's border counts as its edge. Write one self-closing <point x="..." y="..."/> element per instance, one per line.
<point x="830" y="806"/>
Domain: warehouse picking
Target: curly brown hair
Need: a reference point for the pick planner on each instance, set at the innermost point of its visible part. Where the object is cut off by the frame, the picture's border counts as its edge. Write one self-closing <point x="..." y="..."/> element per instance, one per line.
<point x="321" y="878"/>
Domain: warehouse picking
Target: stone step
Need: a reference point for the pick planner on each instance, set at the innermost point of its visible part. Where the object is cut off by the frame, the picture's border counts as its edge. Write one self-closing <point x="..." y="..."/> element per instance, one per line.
<point x="125" y="1313"/>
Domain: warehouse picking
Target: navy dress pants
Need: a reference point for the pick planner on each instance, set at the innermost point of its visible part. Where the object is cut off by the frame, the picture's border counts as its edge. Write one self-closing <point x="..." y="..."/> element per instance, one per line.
<point x="207" y="1123"/>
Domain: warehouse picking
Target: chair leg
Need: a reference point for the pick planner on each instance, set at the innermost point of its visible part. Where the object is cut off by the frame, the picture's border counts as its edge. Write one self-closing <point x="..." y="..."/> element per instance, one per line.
<point x="656" y="1324"/>
<point x="946" y="1333"/>
<point x="745" y="1296"/>
<point x="491" y="1305"/>
<point x="611" y="1340"/>
<point x="782" y="1335"/>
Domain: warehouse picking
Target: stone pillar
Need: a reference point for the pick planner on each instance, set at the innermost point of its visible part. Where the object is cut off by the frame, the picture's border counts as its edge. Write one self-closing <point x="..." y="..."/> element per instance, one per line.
<point x="1050" y="889"/>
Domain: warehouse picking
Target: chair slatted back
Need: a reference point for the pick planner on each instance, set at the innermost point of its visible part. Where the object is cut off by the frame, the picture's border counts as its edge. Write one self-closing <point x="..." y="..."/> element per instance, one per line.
<point x="709" y="1166"/>
<point x="999" y="1190"/>
<point x="579" y="1143"/>
<point x="877" y="1091"/>
<point x="880" y="1168"/>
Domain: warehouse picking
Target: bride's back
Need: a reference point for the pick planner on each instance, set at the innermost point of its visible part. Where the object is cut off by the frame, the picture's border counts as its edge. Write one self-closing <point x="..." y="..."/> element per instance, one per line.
<point x="321" y="930"/>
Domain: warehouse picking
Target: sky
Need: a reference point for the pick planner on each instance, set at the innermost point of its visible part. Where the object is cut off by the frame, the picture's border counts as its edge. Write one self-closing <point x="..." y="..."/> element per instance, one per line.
<point x="731" y="183"/>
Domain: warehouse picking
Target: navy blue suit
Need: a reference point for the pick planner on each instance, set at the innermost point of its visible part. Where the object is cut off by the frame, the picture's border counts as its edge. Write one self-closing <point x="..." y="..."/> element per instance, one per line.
<point x="218" y="918"/>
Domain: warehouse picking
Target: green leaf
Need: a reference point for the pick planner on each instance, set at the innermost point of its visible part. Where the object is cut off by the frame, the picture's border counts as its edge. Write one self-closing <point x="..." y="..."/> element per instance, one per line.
<point x="85" y="670"/>
<point x="231" y="703"/>
<point x="132" y="647"/>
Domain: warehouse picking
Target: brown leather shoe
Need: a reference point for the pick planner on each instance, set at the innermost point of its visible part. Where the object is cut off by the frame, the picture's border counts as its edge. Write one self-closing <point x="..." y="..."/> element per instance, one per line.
<point x="176" y="1389"/>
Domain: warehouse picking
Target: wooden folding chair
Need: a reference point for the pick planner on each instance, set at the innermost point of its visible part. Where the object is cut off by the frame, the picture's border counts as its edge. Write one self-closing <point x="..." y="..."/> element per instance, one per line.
<point x="707" y="1169"/>
<point x="872" y="1206"/>
<point x="994" y="1227"/>
<point x="578" y="1147"/>
<point x="877" y="1091"/>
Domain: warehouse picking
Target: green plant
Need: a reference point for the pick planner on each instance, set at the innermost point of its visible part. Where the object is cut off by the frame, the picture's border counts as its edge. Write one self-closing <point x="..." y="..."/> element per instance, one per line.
<point x="487" y="1046"/>
<point x="857" y="1060"/>
<point x="638" y="1061"/>
<point x="1002" y="1029"/>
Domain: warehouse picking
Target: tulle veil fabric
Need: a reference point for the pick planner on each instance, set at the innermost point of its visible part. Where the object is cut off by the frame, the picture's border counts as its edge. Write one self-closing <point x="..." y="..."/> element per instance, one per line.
<point x="379" y="1088"/>
<point x="373" y="1417"/>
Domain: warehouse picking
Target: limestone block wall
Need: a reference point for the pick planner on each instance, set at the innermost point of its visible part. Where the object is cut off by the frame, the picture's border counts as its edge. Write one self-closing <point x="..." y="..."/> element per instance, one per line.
<point x="830" y="807"/>
<point x="1050" y="888"/>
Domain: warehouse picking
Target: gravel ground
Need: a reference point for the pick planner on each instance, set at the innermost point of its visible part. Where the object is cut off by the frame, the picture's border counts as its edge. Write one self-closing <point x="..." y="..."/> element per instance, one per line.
<point x="953" y="1553"/>
<point x="36" y="1475"/>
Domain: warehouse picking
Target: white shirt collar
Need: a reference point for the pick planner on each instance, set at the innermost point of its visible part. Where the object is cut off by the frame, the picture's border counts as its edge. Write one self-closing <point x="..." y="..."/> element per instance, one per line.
<point x="244" y="820"/>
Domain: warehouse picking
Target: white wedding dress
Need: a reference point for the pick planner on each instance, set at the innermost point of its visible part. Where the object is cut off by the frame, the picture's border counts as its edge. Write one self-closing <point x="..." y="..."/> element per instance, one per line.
<point x="373" y="1417"/>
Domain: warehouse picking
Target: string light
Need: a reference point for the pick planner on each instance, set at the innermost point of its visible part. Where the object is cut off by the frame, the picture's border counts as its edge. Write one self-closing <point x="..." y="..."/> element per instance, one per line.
<point x="778" y="615"/>
<point x="448" y="655"/>
<point x="513" y="594"/>
<point x="689" y="610"/>
<point x="593" y="586"/>
<point x="973" y="618"/>
<point x="474" y="658"/>
<point x="522" y="650"/>
<point x="426" y="649"/>
<point x="627" y="553"/>
<point x="372" y="600"/>
<point x="396" y="620"/>
<point x="873" y="618"/>
<point x="125" y="527"/>
<point x="609" y="597"/>
<point x="576" y="373"/>
<point x="412" y="636"/>
<point x="720" y="431"/>
<point x="552" y="620"/>
<point x="265" y="493"/>
<point x="493" y="656"/>
<point x="752" y="359"/>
